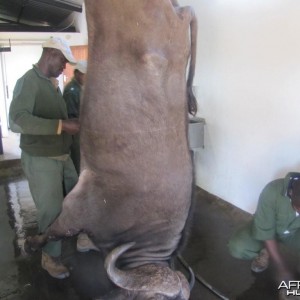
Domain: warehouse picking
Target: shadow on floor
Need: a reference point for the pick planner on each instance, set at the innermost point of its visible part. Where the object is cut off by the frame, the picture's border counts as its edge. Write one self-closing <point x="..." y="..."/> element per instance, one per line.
<point x="22" y="278"/>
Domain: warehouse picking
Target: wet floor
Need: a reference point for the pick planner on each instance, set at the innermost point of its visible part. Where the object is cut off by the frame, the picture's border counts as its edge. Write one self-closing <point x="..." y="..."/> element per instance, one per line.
<point x="218" y="275"/>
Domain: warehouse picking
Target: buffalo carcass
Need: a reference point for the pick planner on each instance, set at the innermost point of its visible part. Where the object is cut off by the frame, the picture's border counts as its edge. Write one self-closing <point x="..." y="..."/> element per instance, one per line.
<point x="133" y="196"/>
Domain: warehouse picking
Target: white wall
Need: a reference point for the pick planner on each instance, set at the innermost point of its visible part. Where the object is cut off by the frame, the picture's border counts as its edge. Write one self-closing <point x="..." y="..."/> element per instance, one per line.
<point x="248" y="88"/>
<point x="17" y="64"/>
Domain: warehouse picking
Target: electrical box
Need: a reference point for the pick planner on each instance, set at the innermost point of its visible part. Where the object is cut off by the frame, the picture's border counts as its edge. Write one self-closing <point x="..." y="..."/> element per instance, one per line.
<point x="196" y="133"/>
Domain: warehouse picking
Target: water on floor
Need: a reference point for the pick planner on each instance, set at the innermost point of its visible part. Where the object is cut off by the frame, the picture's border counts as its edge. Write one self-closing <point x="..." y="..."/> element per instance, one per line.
<point x="218" y="275"/>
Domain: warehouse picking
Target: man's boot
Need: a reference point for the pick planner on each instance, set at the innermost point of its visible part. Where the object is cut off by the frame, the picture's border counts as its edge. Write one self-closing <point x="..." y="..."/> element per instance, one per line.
<point x="54" y="266"/>
<point x="260" y="262"/>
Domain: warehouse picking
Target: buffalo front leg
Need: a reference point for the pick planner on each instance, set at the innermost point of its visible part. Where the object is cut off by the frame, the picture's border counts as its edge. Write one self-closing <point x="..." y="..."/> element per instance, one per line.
<point x="67" y="222"/>
<point x="33" y="243"/>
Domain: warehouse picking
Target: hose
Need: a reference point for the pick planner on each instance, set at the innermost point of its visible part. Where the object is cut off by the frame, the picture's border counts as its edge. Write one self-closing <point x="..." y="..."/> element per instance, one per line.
<point x="201" y="279"/>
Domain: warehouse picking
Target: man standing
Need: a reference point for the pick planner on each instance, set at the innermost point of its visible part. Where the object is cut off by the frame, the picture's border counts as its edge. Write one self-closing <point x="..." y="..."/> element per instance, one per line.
<point x="38" y="111"/>
<point x="72" y="95"/>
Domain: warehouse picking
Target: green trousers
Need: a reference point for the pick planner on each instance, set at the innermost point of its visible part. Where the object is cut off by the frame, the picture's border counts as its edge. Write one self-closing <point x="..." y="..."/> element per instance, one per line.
<point x="242" y="245"/>
<point x="49" y="181"/>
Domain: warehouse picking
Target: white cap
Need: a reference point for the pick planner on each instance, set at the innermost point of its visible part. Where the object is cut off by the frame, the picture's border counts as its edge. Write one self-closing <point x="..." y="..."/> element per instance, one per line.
<point x="81" y="66"/>
<point x="58" y="43"/>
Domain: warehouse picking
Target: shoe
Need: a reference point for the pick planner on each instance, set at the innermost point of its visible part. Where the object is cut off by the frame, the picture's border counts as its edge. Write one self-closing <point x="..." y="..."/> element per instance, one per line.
<point x="84" y="244"/>
<point x="260" y="262"/>
<point x="54" y="266"/>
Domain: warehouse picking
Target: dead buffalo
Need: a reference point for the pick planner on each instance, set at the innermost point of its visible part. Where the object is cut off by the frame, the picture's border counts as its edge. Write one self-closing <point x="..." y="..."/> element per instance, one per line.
<point x="133" y="196"/>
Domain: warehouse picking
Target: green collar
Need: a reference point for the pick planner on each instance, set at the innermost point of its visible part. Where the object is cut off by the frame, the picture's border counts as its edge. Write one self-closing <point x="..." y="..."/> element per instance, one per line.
<point x="39" y="73"/>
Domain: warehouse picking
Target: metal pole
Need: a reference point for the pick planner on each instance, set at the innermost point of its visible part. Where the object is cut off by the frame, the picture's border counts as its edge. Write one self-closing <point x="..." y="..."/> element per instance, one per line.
<point x="1" y="146"/>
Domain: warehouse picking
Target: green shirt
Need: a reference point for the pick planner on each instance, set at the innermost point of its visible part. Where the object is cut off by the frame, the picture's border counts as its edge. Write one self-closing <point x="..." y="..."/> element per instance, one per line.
<point x="275" y="217"/>
<point x="72" y="97"/>
<point x="35" y="112"/>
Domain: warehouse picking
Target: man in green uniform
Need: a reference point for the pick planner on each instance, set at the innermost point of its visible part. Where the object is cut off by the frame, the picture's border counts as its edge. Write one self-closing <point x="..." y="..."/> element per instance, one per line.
<point x="38" y="111"/>
<point x="72" y="96"/>
<point x="276" y="221"/>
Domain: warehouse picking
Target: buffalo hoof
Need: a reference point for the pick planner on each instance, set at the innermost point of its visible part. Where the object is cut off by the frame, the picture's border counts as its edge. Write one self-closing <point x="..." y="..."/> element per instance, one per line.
<point x="32" y="244"/>
<point x="26" y="248"/>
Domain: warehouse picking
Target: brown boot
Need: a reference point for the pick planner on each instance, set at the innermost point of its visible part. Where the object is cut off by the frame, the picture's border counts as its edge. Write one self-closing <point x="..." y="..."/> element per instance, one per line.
<point x="260" y="262"/>
<point x="54" y="266"/>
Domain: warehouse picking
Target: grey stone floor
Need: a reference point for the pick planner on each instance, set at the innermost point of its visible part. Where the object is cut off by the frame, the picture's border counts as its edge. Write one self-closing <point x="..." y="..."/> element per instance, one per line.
<point x="21" y="278"/>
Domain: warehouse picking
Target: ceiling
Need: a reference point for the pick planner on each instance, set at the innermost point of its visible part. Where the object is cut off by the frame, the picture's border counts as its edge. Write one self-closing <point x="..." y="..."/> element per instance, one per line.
<point x="38" y="15"/>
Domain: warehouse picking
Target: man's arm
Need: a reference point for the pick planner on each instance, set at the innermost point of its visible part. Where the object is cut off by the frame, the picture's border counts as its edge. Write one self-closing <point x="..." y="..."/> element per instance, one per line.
<point x="264" y="228"/>
<point x="21" y="116"/>
<point x="23" y="121"/>
<point x="283" y="271"/>
<point x="70" y="126"/>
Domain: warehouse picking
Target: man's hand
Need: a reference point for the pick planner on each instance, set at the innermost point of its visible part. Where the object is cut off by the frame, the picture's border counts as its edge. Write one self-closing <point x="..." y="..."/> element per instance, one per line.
<point x="71" y="126"/>
<point x="285" y="275"/>
<point x="282" y="270"/>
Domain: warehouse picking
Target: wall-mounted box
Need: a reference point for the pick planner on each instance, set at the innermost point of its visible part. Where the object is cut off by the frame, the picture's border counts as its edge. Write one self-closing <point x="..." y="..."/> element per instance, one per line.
<point x="196" y="133"/>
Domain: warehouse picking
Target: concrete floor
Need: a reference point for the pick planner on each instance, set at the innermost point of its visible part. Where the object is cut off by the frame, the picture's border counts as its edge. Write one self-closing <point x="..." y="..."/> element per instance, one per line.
<point x="21" y="278"/>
